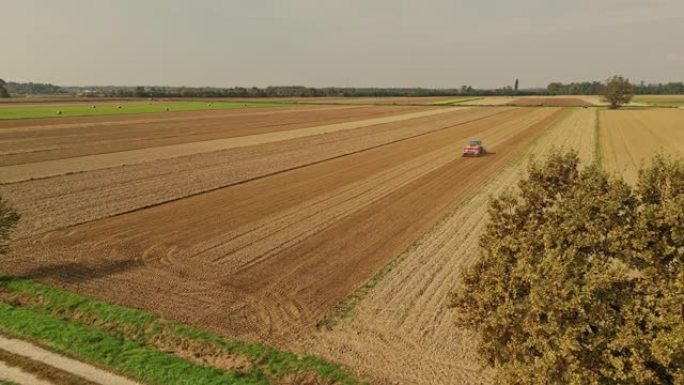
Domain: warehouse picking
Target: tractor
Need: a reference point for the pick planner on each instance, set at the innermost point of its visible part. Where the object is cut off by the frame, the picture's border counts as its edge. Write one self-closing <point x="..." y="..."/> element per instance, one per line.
<point x="474" y="148"/>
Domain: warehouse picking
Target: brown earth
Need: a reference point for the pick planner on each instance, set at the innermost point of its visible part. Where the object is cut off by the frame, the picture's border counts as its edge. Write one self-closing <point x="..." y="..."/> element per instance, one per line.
<point x="29" y="141"/>
<point x="550" y="101"/>
<point x="269" y="258"/>
<point x="57" y="202"/>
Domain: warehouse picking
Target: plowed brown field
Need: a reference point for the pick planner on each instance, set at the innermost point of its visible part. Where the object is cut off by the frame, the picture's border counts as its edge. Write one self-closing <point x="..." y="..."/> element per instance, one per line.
<point x="55" y="139"/>
<point x="67" y="200"/>
<point x="629" y="138"/>
<point x="265" y="253"/>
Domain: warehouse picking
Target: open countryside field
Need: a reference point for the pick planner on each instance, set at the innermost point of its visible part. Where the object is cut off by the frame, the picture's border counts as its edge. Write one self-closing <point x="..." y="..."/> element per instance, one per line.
<point x="271" y="257"/>
<point x="661" y="100"/>
<point x="631" y="137"/>
<point x="401" y="331"/>
<point x="49" y="110"/>
<point x="534" y="101"/>
<point x="550" y="102"/>
<point x="336" y="230"/>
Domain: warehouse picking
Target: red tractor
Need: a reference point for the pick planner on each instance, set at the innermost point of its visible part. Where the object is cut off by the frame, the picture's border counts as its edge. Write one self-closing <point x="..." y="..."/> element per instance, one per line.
<point x="474" y="148"/>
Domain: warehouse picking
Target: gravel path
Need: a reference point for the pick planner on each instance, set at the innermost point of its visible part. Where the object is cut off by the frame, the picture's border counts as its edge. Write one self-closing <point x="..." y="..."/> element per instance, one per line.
<point x="36" y="353"/>
<point x="18" y="376"/>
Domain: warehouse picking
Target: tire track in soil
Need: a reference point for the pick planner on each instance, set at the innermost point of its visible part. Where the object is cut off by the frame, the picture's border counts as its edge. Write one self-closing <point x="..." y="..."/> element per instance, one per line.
<point x="18" y="376"/>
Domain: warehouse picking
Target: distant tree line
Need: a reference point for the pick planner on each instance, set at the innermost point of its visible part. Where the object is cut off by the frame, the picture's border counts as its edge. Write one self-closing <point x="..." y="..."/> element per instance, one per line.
<point x="298" y="91"/>
<point x="3" y="91"/>
<point x="34" y="89"/>
<point x="555" y="88"/>
<point x="596" y="88"/>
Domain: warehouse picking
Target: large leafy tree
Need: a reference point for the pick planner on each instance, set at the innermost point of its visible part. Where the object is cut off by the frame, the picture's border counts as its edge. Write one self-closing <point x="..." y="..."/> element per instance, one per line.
<point x="3" y="90"/>
<point x="618" y="91"/>
<point x="580" y="278"/>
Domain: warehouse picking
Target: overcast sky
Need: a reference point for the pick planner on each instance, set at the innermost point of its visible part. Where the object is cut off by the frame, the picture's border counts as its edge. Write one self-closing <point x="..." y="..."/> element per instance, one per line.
<point x="429" y="43"/>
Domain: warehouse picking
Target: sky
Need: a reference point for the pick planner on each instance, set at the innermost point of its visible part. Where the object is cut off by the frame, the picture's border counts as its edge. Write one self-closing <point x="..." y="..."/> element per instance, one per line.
<point x="361" y="43"/>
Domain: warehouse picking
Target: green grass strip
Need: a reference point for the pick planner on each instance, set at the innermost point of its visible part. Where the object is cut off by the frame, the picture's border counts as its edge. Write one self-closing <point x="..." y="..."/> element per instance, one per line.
<point x="454" y="101"/>
<point x="598" y="150"/>
<point x="128" y="358"/>
<point x="71" y="110"/>
<point x="141" y="326"/>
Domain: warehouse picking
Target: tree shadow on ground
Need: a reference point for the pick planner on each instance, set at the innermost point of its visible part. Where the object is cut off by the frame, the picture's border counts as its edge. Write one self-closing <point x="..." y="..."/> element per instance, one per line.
<point x="77" y="272"/>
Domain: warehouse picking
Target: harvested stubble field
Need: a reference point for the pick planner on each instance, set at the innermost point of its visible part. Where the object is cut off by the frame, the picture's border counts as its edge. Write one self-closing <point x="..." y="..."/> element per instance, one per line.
<point x="629" y="138"/>
<point x="661" y="100"/>
<point x="550" y="102"/>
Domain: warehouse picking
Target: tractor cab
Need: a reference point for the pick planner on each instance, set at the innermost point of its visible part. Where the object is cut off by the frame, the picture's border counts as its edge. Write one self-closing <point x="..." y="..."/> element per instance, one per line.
<point x="474" y="148"/>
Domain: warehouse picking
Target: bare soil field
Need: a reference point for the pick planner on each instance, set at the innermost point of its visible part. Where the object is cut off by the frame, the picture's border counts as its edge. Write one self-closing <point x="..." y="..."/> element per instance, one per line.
<point x="25" y="142"/>
<point x="402" y="332"/>
<point x="57" y="202"/>
<point x="271" y="255"/>
<point x="630" y="137"/>
<point x="63" y="166"/>
<point x="549" y="101"/>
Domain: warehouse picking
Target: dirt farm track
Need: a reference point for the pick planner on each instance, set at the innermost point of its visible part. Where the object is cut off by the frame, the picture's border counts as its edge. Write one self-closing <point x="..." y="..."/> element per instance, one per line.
<point x="258" y="223"/>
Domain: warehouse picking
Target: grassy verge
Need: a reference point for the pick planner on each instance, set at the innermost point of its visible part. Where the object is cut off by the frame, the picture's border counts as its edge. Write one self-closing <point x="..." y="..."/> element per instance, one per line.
<point x="347" y="306"/>
<point x="598" y="151"/>
<point x="144" y="347"/>
<point x="454" y="101"/>
<point x="7" y="383"/>
<point x="41" y="370"/>
<point x="109" y="108"/>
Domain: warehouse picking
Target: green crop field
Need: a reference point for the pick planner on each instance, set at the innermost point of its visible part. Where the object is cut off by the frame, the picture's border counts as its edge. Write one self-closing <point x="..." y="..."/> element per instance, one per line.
<point x="45" y="111"/>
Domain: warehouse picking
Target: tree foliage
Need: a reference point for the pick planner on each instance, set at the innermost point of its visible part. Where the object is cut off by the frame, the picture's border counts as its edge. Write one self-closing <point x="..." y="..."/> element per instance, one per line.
<point x="15" y="88"/>
<point x="8" y="220"/>
<point x="581" y="278"/>
<point x="3" y="90"/>
<point x="618" y="91"/>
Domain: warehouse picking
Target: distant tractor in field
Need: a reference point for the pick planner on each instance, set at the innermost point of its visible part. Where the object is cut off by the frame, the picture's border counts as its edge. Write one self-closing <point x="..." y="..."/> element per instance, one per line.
<point x="474" y="148"/>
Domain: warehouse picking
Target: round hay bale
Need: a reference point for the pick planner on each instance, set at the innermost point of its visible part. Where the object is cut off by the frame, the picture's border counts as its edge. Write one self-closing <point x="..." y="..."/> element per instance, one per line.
<point x="59" y="112"/>
<point x="93" y="106"/>
<point x="119" y="107"/>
